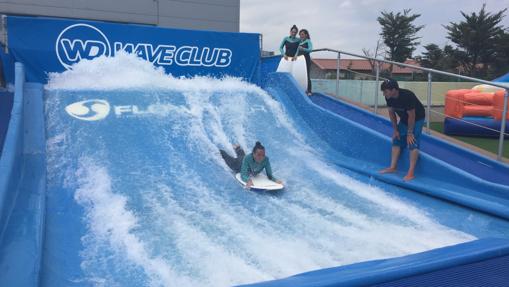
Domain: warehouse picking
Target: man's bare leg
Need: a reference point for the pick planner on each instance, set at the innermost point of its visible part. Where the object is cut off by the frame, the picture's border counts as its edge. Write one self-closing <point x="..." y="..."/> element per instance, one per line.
<point x="414" y="155"/>
<point x="396" y="150"/>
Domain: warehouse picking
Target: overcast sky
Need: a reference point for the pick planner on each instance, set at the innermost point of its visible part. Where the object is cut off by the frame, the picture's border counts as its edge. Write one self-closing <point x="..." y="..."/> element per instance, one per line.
<point x="351" y="25"/>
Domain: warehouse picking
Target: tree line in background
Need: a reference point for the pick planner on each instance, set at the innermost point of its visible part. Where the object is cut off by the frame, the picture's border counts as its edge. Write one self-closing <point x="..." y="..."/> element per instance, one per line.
<point x="479" y="44"/>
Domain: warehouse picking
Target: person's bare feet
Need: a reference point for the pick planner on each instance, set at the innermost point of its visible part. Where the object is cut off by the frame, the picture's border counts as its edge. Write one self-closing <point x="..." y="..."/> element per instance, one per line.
<point x="387" y="170"/>
<point x="408" y="177"/>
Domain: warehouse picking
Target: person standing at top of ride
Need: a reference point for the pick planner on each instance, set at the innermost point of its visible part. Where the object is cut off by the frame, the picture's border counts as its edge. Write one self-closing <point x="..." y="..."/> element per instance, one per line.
<point x="290" y="44"/>
<point x="305" y="47"/>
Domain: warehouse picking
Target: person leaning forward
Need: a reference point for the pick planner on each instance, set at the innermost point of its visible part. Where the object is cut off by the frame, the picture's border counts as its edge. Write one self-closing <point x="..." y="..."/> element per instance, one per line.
<point x="403" y="104"/>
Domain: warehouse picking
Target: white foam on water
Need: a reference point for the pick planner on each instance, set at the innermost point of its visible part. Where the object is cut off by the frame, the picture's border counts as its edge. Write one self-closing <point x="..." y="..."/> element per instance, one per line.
<point x="220" y="244"/>
<point x="129" y="72"/>
<point x="292" y="238"/>
<point x="386" y="202"/>
<point x="111" y="223"/>
<point x="213" y="264"/>
<point x="249" y="248"/>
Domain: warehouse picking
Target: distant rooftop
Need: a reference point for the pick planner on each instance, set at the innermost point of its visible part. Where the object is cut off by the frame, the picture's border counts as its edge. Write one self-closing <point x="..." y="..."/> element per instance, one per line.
<point x="362" y="65"/>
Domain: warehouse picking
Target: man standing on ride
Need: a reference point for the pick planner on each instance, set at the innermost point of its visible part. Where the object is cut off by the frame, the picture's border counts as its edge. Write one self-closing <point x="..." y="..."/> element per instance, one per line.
<point x="407" y="131"/>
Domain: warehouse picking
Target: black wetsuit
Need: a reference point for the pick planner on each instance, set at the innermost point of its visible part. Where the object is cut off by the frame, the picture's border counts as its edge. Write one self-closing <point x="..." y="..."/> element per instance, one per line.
<point x="308" y="47"/>
<point x="234" y="163"/>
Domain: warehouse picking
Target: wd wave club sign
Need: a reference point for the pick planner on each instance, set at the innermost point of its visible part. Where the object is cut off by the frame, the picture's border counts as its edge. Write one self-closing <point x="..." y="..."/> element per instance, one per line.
<point x="54" y="45"/>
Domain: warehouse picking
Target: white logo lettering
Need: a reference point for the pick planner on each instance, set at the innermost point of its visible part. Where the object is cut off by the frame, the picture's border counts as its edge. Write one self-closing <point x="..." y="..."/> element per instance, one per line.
<point x="84" y="41"/>
<point x="94" y="110"/>
<point x="70" y="48"/>
<point x="89" y="110"/>
<point x="133" y="110"/>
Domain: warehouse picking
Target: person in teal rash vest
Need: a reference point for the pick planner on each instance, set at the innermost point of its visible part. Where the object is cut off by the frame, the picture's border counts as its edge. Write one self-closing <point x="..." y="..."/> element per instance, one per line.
<point x="249" y="165"/>
<point x="289" y="47"/>
<point x="305" y="47"/>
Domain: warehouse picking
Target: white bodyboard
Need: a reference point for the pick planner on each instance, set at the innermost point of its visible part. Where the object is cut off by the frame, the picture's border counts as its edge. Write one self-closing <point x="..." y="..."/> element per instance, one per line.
<point x="296" y="68"/>
<point x="261" y="182"/>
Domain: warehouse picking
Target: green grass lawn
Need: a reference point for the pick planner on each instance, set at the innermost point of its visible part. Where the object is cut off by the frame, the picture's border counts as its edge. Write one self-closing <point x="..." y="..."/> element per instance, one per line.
<point x="489" y="144"/>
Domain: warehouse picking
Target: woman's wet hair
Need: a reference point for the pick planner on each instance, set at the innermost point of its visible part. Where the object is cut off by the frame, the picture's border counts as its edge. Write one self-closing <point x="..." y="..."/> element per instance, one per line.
<point x="305" y="32"/>
<point x="258" y="146"/>
<point x="294" y="27"/>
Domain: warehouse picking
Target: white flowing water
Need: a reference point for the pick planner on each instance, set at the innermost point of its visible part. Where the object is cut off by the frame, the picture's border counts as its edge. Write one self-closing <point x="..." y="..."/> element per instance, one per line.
<point x="160" y="207"/>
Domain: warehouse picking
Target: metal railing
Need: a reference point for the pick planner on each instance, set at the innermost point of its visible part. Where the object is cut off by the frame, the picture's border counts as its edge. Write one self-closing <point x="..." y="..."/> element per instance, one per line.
<point x="430" y="77"/>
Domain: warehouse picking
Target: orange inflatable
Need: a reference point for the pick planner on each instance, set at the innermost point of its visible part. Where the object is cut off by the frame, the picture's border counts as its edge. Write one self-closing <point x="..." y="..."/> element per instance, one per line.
<point x="462" y="103"/>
